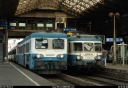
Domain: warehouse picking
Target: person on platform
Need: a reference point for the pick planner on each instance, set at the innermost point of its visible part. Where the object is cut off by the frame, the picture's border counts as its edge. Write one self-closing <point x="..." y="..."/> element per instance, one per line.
<point x="104" y="55"/>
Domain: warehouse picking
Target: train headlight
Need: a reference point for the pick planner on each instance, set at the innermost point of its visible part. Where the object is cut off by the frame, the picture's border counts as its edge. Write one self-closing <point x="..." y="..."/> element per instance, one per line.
<point x="98" y="57"/>
<point x="39" y="56"/>
<point x="79" y="57"/>
<point x="60" y="56"/>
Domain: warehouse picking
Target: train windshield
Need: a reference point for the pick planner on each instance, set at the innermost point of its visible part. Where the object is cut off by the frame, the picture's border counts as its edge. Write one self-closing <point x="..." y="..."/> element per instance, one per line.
<point x="88" y="46"/>
<point x="98" y="47"/>
<point x="58" y="44"/>
<point x="77" y="46"/>
<point x="41" y="44"/>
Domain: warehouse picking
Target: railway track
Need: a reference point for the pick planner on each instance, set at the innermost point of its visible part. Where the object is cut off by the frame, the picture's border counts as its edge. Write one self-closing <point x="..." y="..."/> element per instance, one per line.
<point x="93" y="80"/>
<point x="103" y="81"/>
<point x="77" y="80"/>
<point x="58" y="81"/>
<point x="116" y="81"/>
<point x="83" y="80"/>
<point x="68" y="80"/>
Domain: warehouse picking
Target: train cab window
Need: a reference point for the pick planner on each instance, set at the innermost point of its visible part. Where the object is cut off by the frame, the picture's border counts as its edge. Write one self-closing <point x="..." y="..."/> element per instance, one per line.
<point x="98" y="46"/>
<point x="77" y="46"/>
<point x="58" y="44"/>
<point x="88" y="46"/>
<point x="41" y="44"/>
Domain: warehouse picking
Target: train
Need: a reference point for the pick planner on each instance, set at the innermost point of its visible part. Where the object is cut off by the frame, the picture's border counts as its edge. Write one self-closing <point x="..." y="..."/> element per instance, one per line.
<point x="12" y="54"/>
<point x="84" y="52"/>
<point x="42" y="52"/>
<point x="51" y="53"/>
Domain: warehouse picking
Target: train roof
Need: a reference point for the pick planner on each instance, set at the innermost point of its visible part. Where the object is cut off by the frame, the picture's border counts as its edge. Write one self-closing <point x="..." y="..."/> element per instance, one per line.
<point x="44" y="35"/>
<point x="84" y="37"/>
<point x="48" y="35"/>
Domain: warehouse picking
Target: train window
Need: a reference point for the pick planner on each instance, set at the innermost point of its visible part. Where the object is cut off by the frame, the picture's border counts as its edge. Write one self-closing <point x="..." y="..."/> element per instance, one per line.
<point x="88" y="46"/>
<point x="27" y="47"/>
<point x="77" y="46"/>
<point x="41" y="44"/>
<point x="98" y="46"/>
<point x="58" y="44"/>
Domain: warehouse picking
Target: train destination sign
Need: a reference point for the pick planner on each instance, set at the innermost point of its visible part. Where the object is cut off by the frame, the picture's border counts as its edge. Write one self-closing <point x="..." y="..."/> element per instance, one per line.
<point x="69" y="29"/>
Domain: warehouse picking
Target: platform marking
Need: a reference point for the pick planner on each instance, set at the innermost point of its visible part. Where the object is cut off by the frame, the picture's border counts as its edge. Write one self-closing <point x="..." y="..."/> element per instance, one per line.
<point x="26" y="76"/>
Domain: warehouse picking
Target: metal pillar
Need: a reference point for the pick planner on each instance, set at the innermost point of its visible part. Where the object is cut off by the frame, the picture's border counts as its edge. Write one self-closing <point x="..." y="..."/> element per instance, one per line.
<point x="114" y="44"/>
<point x="114" y="37"/>
<point x="123" y="51"/>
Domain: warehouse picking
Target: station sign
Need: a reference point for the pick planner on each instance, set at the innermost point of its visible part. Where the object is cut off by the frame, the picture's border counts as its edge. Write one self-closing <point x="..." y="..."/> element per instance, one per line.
<point x="111" y="39"/>
<point x="69" y="29"/>
<point x="3" y="25"/>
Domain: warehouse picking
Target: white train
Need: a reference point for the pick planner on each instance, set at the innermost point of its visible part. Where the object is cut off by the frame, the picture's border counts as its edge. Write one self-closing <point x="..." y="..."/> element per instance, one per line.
<point x="84" y="51"/>
<point x="45" y="53"/>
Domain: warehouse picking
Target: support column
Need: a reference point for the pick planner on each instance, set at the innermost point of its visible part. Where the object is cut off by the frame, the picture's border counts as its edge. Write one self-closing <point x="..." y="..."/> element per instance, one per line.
<point x="65" y="24"/>
<point x="123" y="53"/>
<point x="6" y="45"/>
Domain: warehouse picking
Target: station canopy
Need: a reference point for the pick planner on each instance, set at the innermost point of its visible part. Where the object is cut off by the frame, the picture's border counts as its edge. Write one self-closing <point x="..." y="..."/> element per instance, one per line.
<point x="74" y="7"/>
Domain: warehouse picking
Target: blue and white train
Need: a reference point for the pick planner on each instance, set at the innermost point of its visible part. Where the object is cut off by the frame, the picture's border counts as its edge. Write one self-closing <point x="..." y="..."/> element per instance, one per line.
<point x="45" y="53"/>
<point x="84" y="51"/>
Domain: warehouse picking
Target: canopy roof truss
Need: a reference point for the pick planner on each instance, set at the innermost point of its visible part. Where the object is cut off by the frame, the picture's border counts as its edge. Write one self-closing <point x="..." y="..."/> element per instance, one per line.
<point x="75" y="7"/>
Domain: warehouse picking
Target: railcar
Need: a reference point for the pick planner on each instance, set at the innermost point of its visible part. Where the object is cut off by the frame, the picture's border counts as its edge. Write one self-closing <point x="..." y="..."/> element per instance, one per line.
<point x="84" y="51"/>
<point x="12" y="54"/>
<point x="44" y="53"/>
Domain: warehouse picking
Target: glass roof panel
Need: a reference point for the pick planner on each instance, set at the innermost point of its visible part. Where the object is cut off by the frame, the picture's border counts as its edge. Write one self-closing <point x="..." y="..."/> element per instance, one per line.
<point x="79" y="6"/>
<point x="26" y="5"/>
<point x="71" y="6"/>
<point x="48" y="4"/>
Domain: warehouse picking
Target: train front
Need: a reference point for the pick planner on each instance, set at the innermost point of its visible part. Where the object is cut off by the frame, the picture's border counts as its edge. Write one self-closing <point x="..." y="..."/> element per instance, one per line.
<point x="83" y="53"/>
<point x="86" y="53"/>
<point x="50" y="55"/>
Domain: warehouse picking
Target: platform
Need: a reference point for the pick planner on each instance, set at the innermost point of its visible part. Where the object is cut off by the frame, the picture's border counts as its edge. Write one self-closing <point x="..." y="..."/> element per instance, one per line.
<point x="117" y="71"/>
<point x="12" y="74"/>
<point x="117" y="66"/>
